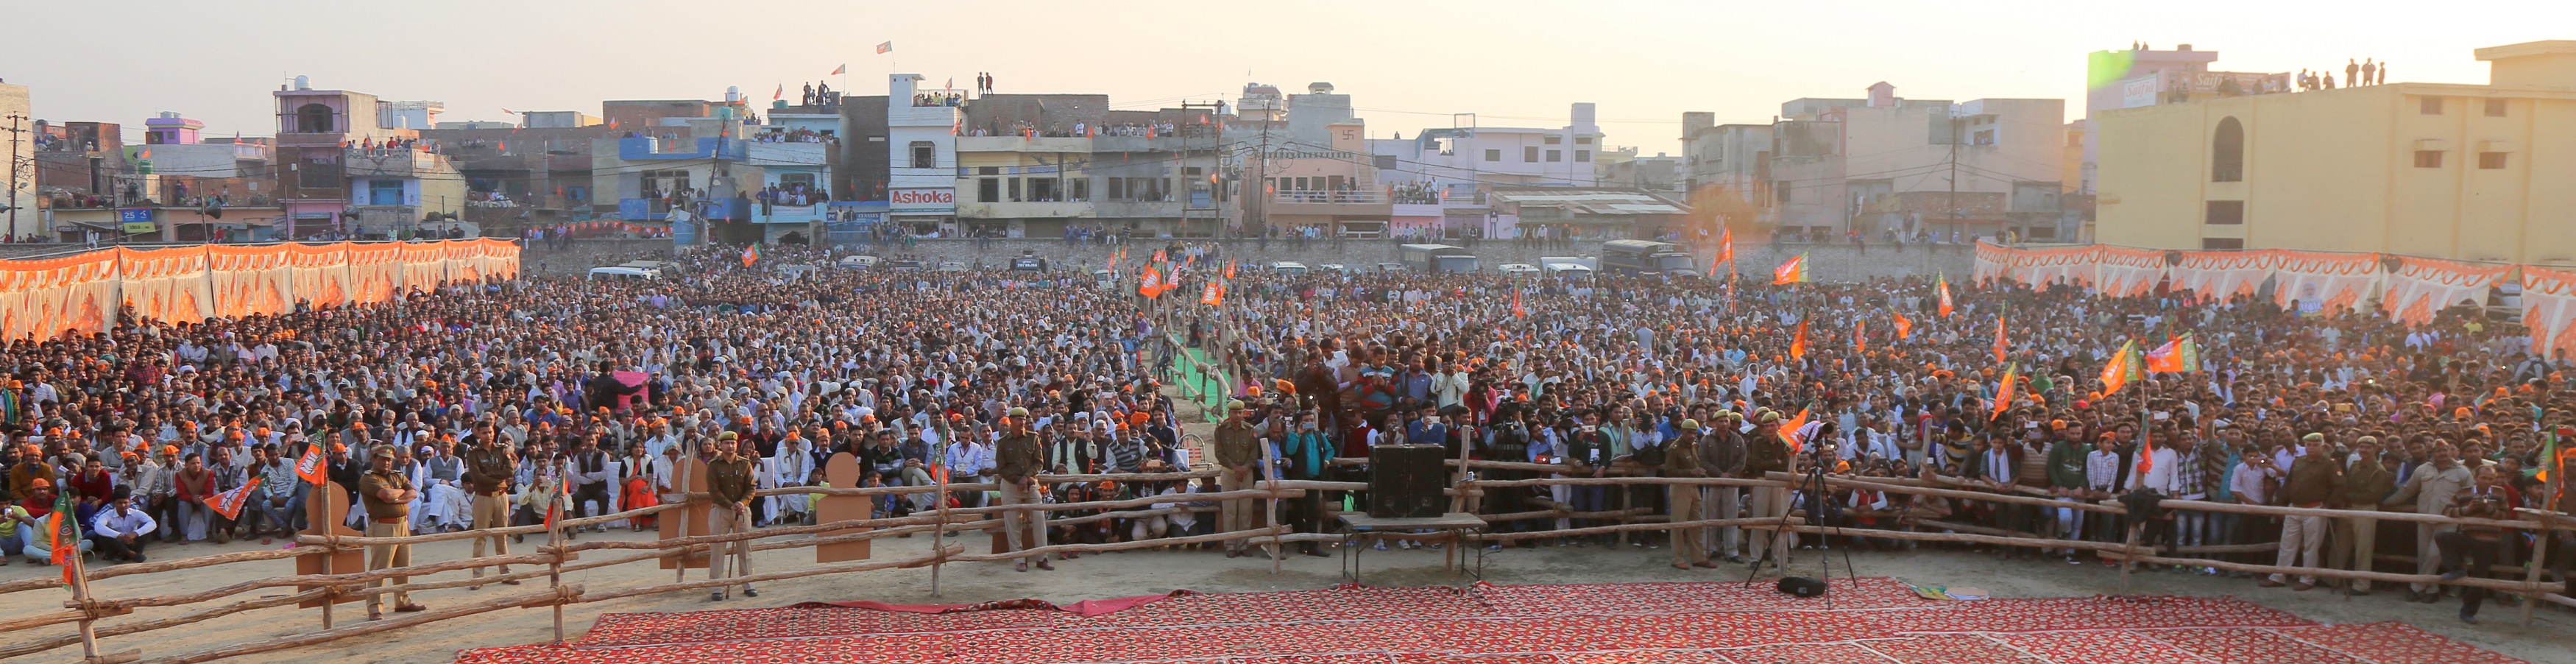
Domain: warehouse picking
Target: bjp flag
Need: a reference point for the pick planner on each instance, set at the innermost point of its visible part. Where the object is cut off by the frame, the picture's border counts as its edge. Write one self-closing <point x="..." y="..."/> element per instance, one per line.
<point x="1944" y="287"/>
<point x="1229" y="268"/>
<point x="1151" y="285"/>
<point x="1725" y="251"/>
<point x="1791" y="431"/>
<point x="2004" y="395"/>
<point x="1214" y="294"/>
<point x="309" y="466"/>
<point x="1791" y="272"/>
<point x="1517" y="311"/>
<point x="2002" y="348"/>
<point x="1904" y="328"/>
<point x="2115" y="373"/>
<point x="1860" y="336"/>
<point x="230" y="503"/>
<point x="1798" y="344"/>
<point x="750" y="255"/>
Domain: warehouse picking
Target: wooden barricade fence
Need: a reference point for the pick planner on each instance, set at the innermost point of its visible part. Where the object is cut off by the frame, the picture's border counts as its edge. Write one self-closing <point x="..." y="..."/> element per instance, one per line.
<point x="553" y="559"/>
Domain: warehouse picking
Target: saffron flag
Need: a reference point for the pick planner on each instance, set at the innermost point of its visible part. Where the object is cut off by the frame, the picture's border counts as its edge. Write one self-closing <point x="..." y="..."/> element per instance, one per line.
<point x="67" y="533"/>
<point x="1229" y="268"/>
<point x="2004" y="395"/>
<point x="1151" y="284"/>
<point x="845" y="67"/>
<point x="2002" y="347"/>
<point x="750" y="255"/>
<point x="309" y="466"/>
<point x="230" y="503"/>
<point x="883" y="48"/>
<point x="1793" y="431"/>
<point x="1904" y="328"/>
<point x="554" y="508"/>
<point x="1725" y="250"/>
<point x="1798" y="344"/>
<point x="780" y="94"/>
<point x="2176" y="356"/>
<point x="2115" y="373"/>
<point x="1944" y="287"/>
<point x="1161" y="257"/>
<point x="1517" y="311"/>
<point x="2146" y="454"/>
<point x="1860" y="336"/>
<point x="1791" y="272"/>
<point x="1213" y="295"/>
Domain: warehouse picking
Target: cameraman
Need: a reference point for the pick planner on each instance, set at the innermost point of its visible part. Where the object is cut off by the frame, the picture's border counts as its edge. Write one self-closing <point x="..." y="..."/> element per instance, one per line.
<point x="2482" y="545"/>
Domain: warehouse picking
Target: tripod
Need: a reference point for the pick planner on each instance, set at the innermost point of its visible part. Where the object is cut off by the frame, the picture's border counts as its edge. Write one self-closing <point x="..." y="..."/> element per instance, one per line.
<point x="1822" y="510"/>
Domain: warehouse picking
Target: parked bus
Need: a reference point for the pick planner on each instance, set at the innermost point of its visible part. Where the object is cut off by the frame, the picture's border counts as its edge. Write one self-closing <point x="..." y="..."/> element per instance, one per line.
<point x="1646" y="257"/>
<point x="1438" y="258"/>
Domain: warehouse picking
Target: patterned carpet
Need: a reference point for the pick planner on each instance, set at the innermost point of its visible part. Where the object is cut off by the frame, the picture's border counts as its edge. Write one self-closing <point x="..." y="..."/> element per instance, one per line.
<point x="1879" y="622"/>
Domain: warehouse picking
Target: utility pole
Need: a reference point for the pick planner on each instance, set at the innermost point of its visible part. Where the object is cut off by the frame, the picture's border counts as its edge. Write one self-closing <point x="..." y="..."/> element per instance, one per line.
<point x="1216" y="143"/>
<point x="16" y="134"/>
<point x="1952" y="199"/>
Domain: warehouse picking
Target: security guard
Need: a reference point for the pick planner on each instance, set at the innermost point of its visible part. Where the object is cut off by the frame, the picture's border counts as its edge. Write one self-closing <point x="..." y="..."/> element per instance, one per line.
<point x="387" y="496"/>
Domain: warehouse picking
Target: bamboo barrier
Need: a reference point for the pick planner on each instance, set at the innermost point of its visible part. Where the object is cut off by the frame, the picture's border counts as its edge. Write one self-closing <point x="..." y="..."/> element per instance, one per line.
<point x="2473" y="581"/>
<point x="364" y="628"/>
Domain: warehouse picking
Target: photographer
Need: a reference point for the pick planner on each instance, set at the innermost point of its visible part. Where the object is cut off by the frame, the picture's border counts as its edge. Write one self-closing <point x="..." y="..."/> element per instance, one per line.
<point x="2481" y="545"/>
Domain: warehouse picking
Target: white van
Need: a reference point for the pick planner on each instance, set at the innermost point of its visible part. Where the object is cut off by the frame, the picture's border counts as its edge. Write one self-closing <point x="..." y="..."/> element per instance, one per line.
<point x="1289" y="268"/>
<point x="1517" y="270"/>
<point x="857" y="262"/>
<point x="1574" y="270"/>
<point x="623" y="273"/>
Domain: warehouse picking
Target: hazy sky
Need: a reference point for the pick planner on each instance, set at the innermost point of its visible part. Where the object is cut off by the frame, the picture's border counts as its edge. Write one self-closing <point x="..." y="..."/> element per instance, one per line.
<point x="1406" y="64"/>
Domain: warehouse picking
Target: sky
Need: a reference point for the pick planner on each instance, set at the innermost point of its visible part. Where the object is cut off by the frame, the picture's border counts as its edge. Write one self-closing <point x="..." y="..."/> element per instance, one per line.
<point x="1407" y="64"/>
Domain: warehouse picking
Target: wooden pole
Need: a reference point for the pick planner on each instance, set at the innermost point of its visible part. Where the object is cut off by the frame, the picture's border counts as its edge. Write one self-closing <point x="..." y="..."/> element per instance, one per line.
<point x="330" y="595"/>
<point x="939" y="535"/>
<point x="2540" y="549"/>
<point x="2131" y="559"/>
<point x="554" y="576"/>
<point x="1270" y="469"/>
<point x="80" y="595"/>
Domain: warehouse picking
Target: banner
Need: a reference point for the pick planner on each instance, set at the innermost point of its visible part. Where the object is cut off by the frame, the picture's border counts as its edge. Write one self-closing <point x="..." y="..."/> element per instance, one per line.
<point x="2422" y="286"/>
<point x="2329" y="283"/>
<point x="2041" y="268"/>
<point x="2549" y="310"/>
<point x="2126" y="272"/>
<point x="2222" y="274"/>
<point x="83" y="293"/>
<point x="1993" y="262"/>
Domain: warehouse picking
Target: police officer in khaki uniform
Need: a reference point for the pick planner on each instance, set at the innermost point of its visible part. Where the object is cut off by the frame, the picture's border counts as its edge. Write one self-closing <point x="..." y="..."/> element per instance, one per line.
<point x="1017" y="460"/>
<point x="1237" y="453"/>
<point x="489" y="468"/>
<point x="729" y="479"/>
<point x="387" y="496"/>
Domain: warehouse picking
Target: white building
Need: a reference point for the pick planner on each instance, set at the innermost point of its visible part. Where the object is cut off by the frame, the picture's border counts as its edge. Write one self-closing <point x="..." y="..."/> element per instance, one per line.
<point x="921" y="154"/>
<point x="18" y="176"/>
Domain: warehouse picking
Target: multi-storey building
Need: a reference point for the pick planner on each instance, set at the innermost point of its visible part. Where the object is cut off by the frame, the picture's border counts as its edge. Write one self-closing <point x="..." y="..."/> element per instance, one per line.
<point x="350" y="165"/>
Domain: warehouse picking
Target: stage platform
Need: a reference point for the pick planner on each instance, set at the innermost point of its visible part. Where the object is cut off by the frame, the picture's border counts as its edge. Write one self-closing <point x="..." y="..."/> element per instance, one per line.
<point x="1881" y="621"/>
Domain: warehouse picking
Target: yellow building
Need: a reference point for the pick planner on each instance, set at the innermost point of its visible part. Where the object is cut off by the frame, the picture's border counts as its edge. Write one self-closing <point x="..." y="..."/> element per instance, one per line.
<point x="2472" y="172"/>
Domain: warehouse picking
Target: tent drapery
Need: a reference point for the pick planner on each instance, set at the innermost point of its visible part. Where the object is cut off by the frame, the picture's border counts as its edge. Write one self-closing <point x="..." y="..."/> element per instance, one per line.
<point x="83" y="292"/>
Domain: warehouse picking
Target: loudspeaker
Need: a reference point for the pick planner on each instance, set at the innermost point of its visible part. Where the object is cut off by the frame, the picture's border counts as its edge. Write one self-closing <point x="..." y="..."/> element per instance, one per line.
<point x="1802" y="586"/>
<point x="1405" y="481"/>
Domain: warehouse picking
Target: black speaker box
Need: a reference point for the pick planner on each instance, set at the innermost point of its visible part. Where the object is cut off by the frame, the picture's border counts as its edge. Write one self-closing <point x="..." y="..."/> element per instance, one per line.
<point x="1802" y="586"/>
<point x="1405" y="481"/>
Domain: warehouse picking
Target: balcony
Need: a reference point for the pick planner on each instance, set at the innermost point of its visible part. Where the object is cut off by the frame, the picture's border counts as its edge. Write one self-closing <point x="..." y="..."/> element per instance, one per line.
<point x="1016" y="143"/>
<point x="1137" y="209"/>
<point x="1143" y="144"/>
<point x="391" y="163"/>
<point x="787" y="154"/>
<point x="643" y="209"/>
<point x="1024" y="210"/>
<point x="1343" y="202"/>
<point x="680" y="148"/>
<point x="786" y="214"/>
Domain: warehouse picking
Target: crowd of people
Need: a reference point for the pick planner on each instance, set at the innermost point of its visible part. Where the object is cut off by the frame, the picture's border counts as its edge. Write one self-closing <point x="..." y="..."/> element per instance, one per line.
<point x="485" y="405"/>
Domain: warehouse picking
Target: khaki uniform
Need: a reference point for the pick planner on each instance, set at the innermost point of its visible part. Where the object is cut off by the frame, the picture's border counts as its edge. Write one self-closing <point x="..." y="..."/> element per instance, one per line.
<point x="1237" y="446"/>
<point x="487" y="477"/>
<point x="386" y="519"/>
<point x="1681" y="459"/>
<point x="2356" y="539"/>
<point x="729" y="482"/>
<point x="1016" y="458"/>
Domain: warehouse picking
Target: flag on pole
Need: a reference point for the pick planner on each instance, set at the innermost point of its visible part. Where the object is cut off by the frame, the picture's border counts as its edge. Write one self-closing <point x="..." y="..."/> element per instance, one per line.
<point x="1160" y="256"/>
<point x="1904" y="327"/>
<point x="750" y="255"/>
<point x="845" y="67"/>
<point x="1725" y="251"/>
<point x="1229" y="268"/>
<point x="2115" y="373"/>
<point x="1798" y="344"/>
<point x="2004" y="395"/>
<point x="1517" y="310"/>
<point x="1791" y="272"/>
<point x="780" y="94"/>
<point x="1860" y="336"/>
<point x="950" y="85"/>
<point x="2146" y="454"/>
<point x="882" y="49"/>
<point x="1794" y="432"/>
<point x="1213" y="295"/>
<point x="230" y="503"/>
<point x="1151" y="284"/>
<point x="554" y="508"/>
<point x="1944" y="286"/>
<point x="2176" y="356"/>
<point x="309" y="466"/>
<point x="2002" y="347"/>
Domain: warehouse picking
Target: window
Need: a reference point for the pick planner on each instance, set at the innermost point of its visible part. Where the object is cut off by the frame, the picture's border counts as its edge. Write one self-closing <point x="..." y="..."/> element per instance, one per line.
<point x="2227" y="152"/>
<point x="1552" y="139"/>
<point x="659" y="183"/>
<point x="2430" y="106"/>
<point x="1781" y="191"/>
<point x="2225" y="213"/>
<point x="313" y="119"/>
<point x="2495" y="108"/>
<point x="1583" y="155"/>
<point x="1582" y="140"/>
<point x="2222" y="243"/>
<point x="988" y="190"/>
<point x="1493" y="154"/>
<point x="925" y="154"/>
<point x="988" y="170"/>
<point x="1081" y="189"/>
<point x="2490" y="160"/>
<point x="384" y="192"/>
<point x="1529" y="154"/>
<point x="1014" y="187"/>
<point x="2428" y="158"/>
<point x="1554" y="156"/>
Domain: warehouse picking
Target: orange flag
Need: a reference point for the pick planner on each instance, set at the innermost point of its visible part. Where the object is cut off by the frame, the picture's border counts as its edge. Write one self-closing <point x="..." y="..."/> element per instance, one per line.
<point x="1725" y="250"/>
<point x="1791" y="272"/>
<point x="1213" y="296"/>
<point x="1789" y="431"/>
<point x="1944" y="286"/>
<point x="2004" y="395"/>
<point x="1152" y="285"/>
<point x="2146" y="455"/>
<point x="1798" y="344"/>
<point x="309" y="466"/>
<point x="1517" y="311"/>
<point x="1904" y="328"/>
<point x="2115" y="373"/>
<point x="2002" y="348"/>
<point x="1860" y="336"/>
<point x="1229" y="268"/>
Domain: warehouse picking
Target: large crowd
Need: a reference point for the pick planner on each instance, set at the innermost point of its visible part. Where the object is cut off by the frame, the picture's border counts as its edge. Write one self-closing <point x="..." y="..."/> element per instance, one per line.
<point x="486" y="405"/>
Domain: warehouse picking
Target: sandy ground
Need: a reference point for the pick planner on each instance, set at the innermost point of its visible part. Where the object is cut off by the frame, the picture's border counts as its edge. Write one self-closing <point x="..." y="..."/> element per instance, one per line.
<point x="1135" y="573"/>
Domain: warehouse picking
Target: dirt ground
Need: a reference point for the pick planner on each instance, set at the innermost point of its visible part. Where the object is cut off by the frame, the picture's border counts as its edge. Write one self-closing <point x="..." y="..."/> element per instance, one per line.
<point x="1135" y="573"/>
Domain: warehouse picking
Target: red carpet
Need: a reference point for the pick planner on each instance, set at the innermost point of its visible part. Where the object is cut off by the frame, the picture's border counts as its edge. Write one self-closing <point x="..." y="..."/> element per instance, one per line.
<point x="1879" y="622"/>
